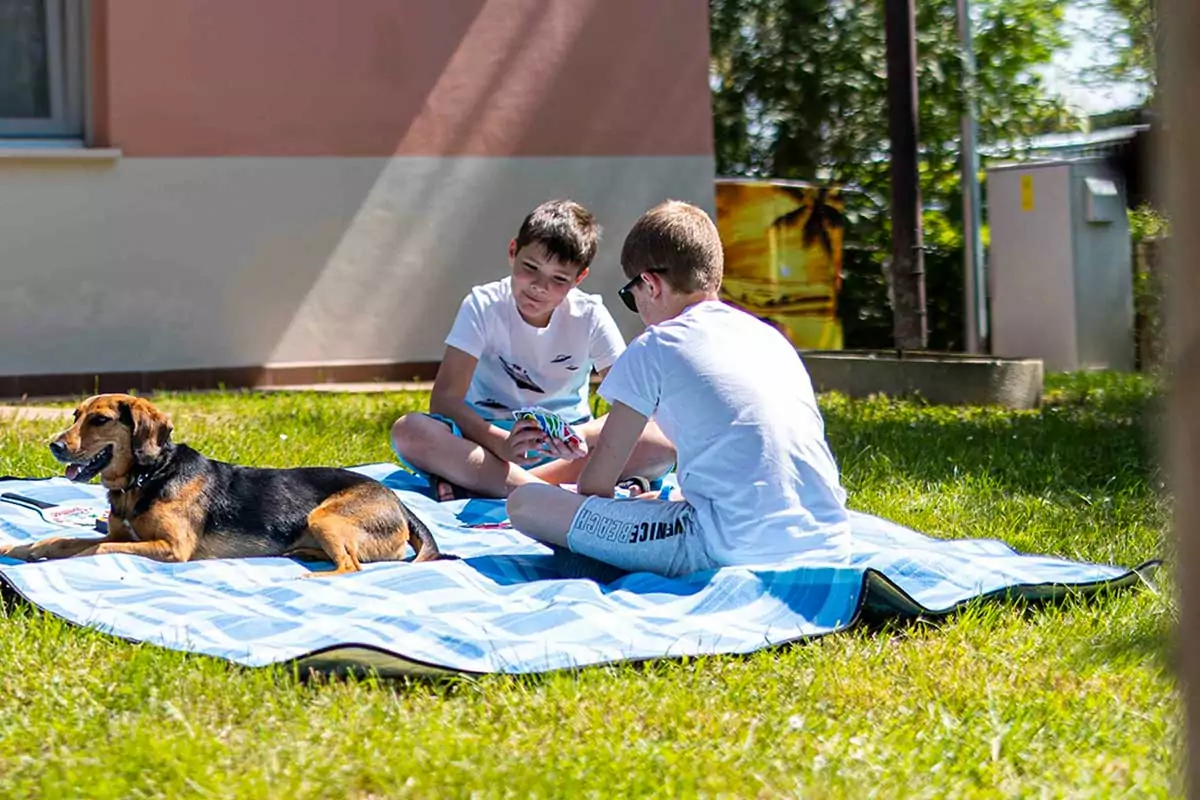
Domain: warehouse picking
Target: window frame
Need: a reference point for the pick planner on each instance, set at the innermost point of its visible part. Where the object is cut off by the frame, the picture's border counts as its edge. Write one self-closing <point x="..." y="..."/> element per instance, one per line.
<point x="66" y="47"/>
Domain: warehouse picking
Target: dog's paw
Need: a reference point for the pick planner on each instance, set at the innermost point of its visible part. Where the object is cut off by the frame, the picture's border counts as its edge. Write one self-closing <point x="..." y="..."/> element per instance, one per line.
<point x="20" y="552"/>
<point x="46" y="549"/>
<point x="328" y="573"/>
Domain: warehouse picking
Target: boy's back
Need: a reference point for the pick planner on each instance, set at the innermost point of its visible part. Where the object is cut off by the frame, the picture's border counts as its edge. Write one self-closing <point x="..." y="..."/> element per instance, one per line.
<point x="737" y="402"/>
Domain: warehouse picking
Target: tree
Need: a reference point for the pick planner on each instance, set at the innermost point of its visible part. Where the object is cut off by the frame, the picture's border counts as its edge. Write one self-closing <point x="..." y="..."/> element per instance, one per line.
<point x="800" y="92"/>
<point x="1132" y="34"/>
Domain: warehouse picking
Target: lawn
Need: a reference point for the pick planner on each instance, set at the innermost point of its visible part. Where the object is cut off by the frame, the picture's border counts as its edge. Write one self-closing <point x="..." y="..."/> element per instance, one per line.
<point x="1074" y="699"/>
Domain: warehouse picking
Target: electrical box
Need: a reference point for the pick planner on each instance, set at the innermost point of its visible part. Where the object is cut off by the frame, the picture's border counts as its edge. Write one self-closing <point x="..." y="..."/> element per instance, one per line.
<point x="1060" y="265"/>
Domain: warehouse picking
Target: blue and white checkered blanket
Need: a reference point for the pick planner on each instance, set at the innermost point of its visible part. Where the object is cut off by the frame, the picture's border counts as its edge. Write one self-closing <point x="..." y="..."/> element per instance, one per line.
<point x="504" y="606"/>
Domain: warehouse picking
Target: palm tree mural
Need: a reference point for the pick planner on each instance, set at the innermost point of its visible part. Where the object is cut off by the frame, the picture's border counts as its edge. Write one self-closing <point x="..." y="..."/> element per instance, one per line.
<point x="783" y="248"/>
<point x="823" y="207"/>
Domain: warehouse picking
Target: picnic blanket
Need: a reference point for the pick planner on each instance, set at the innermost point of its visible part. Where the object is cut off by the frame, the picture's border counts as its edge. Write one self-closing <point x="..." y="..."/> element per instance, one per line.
<point x="504" y="607"/>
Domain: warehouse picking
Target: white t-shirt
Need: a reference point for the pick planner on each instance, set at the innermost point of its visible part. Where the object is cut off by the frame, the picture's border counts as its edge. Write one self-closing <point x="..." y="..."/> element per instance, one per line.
<point x="733" y="396"/>
<point x="520" y="365"/>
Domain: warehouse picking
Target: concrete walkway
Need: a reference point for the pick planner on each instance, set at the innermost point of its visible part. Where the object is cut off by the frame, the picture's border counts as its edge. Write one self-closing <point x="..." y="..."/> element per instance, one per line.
<point x="19" y="413"/>
<point x="354" y="388"/>
<point x="13" y="412"/>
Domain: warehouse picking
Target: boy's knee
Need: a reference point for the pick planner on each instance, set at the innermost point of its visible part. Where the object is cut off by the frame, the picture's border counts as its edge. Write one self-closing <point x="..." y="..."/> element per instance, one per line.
<point x="530" y="507"/>
<point x="519" y="505"/>
<point x="408" y="432"/>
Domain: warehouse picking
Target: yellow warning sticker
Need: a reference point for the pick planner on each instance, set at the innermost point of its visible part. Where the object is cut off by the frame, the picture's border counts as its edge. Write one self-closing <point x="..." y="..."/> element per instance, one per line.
<point x="1027" y="193"/>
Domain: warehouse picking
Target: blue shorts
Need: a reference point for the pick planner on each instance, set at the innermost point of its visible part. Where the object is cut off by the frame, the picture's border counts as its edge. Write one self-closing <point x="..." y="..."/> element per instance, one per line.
<point x="504" y="424"/>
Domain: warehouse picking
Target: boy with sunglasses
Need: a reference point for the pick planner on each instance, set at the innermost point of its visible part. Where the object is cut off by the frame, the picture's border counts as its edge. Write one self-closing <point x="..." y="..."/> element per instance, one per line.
<point x="530" y="339"/>
<point x="759" y="483"/>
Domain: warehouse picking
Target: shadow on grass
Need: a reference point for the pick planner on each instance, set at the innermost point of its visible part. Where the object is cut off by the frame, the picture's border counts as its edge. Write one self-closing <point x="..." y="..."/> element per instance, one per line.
<point x="1095" y="434"/>
<point x="1136" y="645"/>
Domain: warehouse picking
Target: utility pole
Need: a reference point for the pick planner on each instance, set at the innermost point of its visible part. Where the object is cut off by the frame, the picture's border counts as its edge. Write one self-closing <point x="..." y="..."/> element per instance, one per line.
<point x="909" y="328"/>
<point x="974" y="275"/>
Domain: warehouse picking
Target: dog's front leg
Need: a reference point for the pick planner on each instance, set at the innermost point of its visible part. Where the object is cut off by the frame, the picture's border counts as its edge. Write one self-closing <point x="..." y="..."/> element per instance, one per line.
<point x="158" y="549"/>
<point x="158" y="534"/>
<point x="67" y="546"/>
<point x="57" y="547"/>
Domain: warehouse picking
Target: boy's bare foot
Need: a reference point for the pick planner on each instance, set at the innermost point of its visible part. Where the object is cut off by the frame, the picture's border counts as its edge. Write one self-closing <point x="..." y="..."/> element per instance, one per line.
<point x="444" y="490"/>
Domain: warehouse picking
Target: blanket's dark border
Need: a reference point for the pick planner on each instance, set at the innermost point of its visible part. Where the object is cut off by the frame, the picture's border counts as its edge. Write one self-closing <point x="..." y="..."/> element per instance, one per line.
<point x="871" y="578"/>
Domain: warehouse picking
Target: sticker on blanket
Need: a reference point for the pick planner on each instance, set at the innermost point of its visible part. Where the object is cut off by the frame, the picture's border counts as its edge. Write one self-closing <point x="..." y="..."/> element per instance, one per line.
<point x="68" y="515"/>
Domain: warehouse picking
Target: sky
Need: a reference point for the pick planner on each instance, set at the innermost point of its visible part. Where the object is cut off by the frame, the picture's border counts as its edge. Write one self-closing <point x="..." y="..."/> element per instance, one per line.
<point x="1064" y="76"/>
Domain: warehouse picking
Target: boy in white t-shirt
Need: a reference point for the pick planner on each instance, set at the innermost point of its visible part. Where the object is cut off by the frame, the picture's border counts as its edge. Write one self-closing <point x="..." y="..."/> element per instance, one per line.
<point x="530" y="339"/>
<point x="759" y="483"/>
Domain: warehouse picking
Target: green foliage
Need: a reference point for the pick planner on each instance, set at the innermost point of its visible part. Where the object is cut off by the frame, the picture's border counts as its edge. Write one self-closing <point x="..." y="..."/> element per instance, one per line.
<point x="1117" y="118"/>
<point x="1145" y="222"/>
<point x="1149" y="230"/>
<point x="1001" y="699"/>
<point x="800" y="92"/>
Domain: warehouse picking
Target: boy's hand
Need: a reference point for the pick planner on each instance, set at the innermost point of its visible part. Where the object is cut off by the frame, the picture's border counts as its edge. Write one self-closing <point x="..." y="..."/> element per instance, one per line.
<point x="567" y="452"/>
<point x="525" y="438"/>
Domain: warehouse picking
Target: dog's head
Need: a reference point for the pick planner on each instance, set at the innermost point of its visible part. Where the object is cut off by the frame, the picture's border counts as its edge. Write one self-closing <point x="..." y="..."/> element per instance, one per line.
<point x="112" y="434"/>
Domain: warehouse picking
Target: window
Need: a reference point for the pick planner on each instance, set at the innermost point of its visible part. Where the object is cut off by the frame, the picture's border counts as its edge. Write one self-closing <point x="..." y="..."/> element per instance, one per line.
<point x="41" y="68"/>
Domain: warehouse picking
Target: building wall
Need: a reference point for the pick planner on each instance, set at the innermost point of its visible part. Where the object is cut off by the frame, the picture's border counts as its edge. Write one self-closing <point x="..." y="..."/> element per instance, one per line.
<point x="305" y="182"/>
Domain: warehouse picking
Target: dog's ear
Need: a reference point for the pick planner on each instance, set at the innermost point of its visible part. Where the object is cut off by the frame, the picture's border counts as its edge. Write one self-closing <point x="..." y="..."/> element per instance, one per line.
<point x="150" y="429"/>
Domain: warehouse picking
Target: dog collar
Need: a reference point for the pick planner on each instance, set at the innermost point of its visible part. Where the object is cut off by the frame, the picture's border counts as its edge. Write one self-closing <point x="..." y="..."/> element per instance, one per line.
<point x="137" y="482"/>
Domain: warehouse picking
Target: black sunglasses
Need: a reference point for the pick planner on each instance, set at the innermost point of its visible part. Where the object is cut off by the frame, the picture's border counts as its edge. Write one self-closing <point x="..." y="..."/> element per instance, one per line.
<point x="626" y="291"/>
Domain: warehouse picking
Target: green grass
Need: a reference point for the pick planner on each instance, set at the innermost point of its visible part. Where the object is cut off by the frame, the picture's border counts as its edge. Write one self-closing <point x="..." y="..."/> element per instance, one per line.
<point x="1074" y="699"/>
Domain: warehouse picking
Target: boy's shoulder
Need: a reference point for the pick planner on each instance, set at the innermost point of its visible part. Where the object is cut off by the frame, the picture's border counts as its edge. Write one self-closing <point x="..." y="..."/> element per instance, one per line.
<point x="712" y="316"/>
<point x="485" y="294"/>
<point x="711" y="325"/>
<point x="581" y="303"/>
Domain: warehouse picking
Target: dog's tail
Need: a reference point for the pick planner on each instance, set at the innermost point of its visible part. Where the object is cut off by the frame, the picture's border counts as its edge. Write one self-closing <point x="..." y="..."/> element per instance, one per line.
<point x="420" y="538"/>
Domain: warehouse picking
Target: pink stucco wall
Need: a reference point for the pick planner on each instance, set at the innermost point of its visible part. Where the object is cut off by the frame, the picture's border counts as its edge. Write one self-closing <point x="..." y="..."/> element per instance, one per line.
<point x="403" y="77"/>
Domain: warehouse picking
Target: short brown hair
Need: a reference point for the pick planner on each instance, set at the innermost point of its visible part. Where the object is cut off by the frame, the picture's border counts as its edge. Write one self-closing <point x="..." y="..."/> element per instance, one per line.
<point x="567" y="231"/>
<point x="680" y="241"/>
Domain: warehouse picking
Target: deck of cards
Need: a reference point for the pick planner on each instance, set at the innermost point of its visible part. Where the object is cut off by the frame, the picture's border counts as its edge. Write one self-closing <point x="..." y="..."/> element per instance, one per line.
<point x="550" y="424"/>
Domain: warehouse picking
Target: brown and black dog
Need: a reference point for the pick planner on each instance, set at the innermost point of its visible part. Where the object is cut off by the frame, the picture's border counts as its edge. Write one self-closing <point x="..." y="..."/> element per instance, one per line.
<point x="169" y="503"/>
